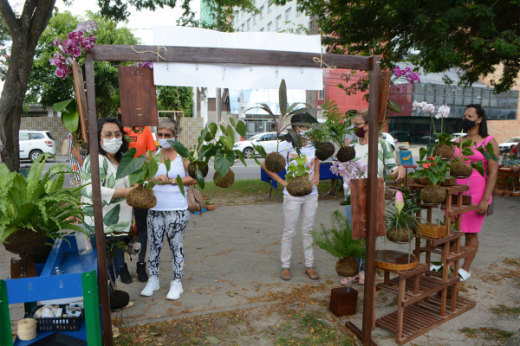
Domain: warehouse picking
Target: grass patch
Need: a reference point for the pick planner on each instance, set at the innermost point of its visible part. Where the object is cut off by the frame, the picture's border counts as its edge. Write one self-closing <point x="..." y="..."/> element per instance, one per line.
<point x="250" y="191"/>
<point x="513" y="262"/>
<point x="496" y="334"/>
<point x="470" y="332"/>
<point x="505" y="310"/>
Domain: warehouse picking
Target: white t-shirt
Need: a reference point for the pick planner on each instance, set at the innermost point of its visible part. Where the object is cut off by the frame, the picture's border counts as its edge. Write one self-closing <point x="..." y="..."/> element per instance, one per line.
<point x="169" y="197"/>
<point x="287" y="151"/>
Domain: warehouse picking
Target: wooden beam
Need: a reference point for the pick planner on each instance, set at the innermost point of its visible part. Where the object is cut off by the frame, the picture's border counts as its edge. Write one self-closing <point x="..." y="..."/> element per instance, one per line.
<point x="226" y="55"/>
<point x="373" y="147"/>
<point x="96" y="201"/>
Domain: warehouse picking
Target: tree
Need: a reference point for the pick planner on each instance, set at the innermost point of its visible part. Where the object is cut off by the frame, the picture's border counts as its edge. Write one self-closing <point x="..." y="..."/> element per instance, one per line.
<point x="175" y="99"/>
<point x="474" y="36"/>
<point x="25" y="30"/>
<point x="49" y="89"/>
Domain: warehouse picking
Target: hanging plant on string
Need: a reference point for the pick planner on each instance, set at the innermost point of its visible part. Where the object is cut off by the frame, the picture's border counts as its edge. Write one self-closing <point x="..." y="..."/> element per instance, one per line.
<point x="274" y="161"/>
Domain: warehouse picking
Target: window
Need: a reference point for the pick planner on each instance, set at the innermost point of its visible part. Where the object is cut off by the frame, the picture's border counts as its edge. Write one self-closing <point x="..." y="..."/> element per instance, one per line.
<point x="269" y="26"/>
<point x="261" y="29"/>
<point x="269" y="8"/>
<point x="288" y="14"/>
<point x="49" y="135"/>
<point x="243" y="27"/>
<point x="249" y="24"/>
<point x="278" y="22"/>
<point x="242" y="13"/>
<point x="255" y="19"/>
<point x="261" y="12"/>
<point x="236" y="17"/>
<point x="321" y="94"/>
<point x="36" y="135"/>
<point x="23" y="136"/>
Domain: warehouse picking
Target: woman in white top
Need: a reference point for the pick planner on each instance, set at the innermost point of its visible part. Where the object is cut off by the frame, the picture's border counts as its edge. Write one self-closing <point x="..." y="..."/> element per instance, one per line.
<point x="170" y="215"/>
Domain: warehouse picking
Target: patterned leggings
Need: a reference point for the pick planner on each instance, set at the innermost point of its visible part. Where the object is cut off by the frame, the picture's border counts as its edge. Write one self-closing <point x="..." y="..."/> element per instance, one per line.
<point x="172" y="224"/>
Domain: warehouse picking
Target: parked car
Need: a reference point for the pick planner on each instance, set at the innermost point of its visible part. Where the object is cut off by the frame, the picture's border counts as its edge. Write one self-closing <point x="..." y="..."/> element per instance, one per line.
<point x="509" y="143"/>
<point x="266" y="140"/>
<point x="34" y="143"/>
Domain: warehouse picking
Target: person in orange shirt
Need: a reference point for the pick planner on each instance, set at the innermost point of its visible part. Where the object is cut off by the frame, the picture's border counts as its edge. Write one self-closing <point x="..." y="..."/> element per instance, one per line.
<point x="141" y="139"/>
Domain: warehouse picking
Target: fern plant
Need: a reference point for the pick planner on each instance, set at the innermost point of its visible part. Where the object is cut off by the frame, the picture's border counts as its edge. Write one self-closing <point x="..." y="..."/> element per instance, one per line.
<point x="38" y="202"/>
<point x="337" y="240"/>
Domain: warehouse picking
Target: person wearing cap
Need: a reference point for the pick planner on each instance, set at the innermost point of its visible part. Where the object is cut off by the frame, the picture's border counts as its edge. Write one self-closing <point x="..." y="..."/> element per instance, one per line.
<point x="293" y="207"/>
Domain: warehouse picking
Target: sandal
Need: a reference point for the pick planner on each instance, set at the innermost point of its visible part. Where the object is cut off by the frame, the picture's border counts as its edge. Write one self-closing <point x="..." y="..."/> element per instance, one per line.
<point x="285" y="274"/>
<point x="311" y="273"/>
<point x="330" y="194"/>
<point x="115" y="332"/>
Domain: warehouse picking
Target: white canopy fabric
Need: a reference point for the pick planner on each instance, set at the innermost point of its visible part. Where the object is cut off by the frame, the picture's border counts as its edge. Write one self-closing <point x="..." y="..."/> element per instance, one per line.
<point x="236" y="76"/>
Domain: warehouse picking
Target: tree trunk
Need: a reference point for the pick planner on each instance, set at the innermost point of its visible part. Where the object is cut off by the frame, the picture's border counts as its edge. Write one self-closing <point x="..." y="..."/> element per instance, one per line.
<point x="25" y="33"/>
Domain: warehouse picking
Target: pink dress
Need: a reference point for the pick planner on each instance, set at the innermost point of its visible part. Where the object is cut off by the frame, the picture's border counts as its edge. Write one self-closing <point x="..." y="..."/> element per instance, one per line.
<point x="472" y="222"/>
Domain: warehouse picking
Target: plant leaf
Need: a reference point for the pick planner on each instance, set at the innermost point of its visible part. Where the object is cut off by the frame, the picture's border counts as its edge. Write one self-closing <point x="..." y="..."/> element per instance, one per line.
<point x="168" y="164"/>
<point x="180" y="148"/>
<point x="200" y="178"/>
<point x="240" y="156"/>
<point x="241" y="128"/>
<point x="228" y="142"/>
<point x="61" y="106"/>
<point x="222" y="165"/>
<point x="260" y="149"/>
<point x="392" y="106"/>
<point x="152" y="168"/>
<point x="70" y="120"/>
<point x="129" y="164"/>
<point x="232" y="122"/>
<point x="478" y="166"/>
<point x="179" y="184"/>
<point x="282" y="97"/>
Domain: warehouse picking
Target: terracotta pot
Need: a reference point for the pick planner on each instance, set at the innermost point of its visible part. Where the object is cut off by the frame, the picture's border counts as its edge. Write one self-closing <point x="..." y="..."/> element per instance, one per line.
<point x="507" y="193"/>
<point x="505" y="169"/>
<point x="515" y="169"/>
<point x="211" y="207"/>
<point x="25" y="242"/>
<point x="498" y="193"/>
<point x="347" y="267"/>
<point x="515" y="194"/>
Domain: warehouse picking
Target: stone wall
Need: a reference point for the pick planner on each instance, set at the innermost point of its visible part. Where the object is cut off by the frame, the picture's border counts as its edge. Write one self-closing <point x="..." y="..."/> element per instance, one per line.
<point x="191" y="128"/>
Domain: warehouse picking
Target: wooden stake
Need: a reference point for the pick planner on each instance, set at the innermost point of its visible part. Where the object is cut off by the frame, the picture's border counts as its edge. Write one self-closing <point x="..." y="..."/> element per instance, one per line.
<point x="96" y="201"/>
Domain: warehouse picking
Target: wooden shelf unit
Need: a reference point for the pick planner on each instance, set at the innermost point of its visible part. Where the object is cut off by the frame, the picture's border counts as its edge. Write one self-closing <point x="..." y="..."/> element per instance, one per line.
<point x="419" y="308"/>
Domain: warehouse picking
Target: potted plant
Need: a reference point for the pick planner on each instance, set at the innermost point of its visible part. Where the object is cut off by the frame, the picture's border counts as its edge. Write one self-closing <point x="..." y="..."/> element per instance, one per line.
<point x="36" y="208"/>
<point x="435" y="170"/>
<point x="498" y="192"/>
<point x="509" y="182"/>
<point x="274" y="161"/>
<point x="141" y="170"/>
<point x="209" y="204"/>
<point x="443" y="146"/>
<point x="401" y="223"/>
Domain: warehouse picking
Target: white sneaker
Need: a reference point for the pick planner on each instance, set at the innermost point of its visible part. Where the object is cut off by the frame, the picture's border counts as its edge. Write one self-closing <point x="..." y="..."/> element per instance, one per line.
<point x="151" y="286"/>
<point x="175" y="290"/>
<point x="464" y="275"/>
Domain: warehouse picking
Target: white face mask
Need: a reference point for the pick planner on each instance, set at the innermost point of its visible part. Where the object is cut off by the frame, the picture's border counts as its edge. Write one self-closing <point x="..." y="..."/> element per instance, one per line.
<point x="113" y="145"/>
<point x="164" y="142"/>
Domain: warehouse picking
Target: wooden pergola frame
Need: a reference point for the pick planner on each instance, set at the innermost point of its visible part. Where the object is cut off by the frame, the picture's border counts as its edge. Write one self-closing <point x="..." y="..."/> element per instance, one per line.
<point x="237" y="56"/>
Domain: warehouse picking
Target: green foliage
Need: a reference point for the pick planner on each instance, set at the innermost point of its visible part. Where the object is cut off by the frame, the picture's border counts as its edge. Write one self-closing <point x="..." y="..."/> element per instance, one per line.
<point x="335" y="127"/>
<point x="337" y="240"/>
<point x="171" y="98"/>
<point x="474" y="37"/>
<point x="49" y="89"/>
<point x="297" y="170"/>
<point x="435" y="169"/>
<point x="412" y="200"/>
<point x="399" y="223"/>
<point x="38" y="202"/>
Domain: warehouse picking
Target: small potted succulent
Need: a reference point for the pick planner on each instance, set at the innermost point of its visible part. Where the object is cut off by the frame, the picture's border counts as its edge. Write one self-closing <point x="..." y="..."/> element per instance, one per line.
<point x="436" y="171"/>
<point x="210" y="205"/>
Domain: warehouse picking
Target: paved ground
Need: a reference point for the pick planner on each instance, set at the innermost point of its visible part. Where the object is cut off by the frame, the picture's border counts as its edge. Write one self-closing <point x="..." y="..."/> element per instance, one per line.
<point x="232" y="262"/>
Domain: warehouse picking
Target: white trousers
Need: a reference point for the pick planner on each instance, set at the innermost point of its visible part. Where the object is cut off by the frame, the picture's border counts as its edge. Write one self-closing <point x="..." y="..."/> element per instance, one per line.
<point x="292" y="206"/>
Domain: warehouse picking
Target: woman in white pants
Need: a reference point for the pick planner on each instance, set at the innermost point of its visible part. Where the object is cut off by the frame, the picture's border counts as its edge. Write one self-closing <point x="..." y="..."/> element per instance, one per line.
<point x="293" y="206"/>
<point x="170" y="215"/>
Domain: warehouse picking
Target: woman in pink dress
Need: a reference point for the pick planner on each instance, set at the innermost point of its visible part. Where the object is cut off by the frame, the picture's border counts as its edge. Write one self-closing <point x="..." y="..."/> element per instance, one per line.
<point x="480" y="188"/>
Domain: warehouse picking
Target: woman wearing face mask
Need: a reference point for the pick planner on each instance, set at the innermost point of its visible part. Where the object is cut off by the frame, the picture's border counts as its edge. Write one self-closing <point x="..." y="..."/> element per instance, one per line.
<point x="170" y="215"/>
<point x="293" y="206"/>
<point x="117" y="215"/>
<point x="480" y="188"/>
<point x="386" y="163"/>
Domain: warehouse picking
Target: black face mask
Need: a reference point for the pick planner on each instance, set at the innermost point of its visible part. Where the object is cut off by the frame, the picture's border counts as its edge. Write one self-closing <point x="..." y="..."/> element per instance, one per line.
<point x="468" y="124"/>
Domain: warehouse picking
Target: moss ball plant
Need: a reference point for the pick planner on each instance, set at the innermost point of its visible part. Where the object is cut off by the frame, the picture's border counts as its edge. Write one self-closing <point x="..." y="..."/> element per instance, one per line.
<point x="192" y="168"/>
<point x="141" y="198"/>
<point x="433" y="194"/>
<point x="347" y="266"/>
<point x="226" y="181"/>
<point x="300" y="186"/>
<point x="275" y="162"/>
<point x="324" y="150"/>
<point x="460" y="170"/>
<point x="346" y="154"/>
<point x="444" y="150"/>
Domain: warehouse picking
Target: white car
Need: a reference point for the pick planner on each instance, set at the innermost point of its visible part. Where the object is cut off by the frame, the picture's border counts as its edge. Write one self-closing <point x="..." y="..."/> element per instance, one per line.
<point x="389" y="138"/>
<point x="266" y="140"/>
<point x="509" y="143"/>
<point x="34" y="143"/>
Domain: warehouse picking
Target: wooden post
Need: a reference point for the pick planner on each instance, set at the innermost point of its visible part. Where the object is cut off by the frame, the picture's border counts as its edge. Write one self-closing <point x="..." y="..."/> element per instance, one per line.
<point x="373" y="133"/>
<point x="96" y="201"/>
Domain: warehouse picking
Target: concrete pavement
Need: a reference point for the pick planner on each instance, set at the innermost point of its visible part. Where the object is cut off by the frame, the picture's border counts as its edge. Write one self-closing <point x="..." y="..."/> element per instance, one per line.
<point x="232" y="261"/>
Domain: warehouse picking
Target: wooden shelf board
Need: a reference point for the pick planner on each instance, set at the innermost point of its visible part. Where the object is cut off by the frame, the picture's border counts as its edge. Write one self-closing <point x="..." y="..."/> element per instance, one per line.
<point x="422" y="318"/>
<point x="464" y="252"/>
<point x="450" y="190"/>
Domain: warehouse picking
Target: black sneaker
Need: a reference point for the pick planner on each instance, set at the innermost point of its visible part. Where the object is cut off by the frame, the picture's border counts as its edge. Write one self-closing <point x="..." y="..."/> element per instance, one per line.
<point x="141" y="272"/>
<point x="126" y="278"/>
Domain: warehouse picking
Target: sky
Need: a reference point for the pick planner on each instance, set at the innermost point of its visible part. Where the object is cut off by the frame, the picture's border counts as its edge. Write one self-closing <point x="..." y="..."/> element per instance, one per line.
<point x="140" y="22"/>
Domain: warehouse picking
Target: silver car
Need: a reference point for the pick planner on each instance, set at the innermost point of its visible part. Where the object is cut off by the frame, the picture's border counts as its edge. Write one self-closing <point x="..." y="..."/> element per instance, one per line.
<point x="34" y="143"/>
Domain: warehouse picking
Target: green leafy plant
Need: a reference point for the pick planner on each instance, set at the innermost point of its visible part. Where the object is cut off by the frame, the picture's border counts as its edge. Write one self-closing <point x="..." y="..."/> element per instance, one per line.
<point x="281" y="122"/>
<point x="335" y="127"/>
<point x="337" y="239"/>
<point x="435" y="169"/>
<point x="401" y="223"/>
<point x="209" y="201"/>
<point x="464" y="151"/>
<point x="297" y="170"/>
<point x="38" y="202"/>
<point x="511" y="181"/>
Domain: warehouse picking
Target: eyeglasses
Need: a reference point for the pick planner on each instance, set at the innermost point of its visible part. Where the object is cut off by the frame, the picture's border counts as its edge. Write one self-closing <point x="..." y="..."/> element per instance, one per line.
<point x="110" y="135"/>
<point x="358" y="124"/>
<point x="164" y="135"/>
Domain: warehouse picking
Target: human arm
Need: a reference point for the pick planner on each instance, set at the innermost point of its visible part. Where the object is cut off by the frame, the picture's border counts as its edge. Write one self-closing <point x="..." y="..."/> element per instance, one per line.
<point x="77" y="155"/>
<point x="316" y="176"/>
<point x="390" y="163"/>
<point x="274" y="176"/>
<point x="492" y="172"/>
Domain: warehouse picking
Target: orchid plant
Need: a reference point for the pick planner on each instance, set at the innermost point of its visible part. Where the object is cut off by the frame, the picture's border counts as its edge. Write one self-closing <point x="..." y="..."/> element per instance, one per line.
<point x="349" y="170"/>
<point x="406" y="73"/>
<point x="444" y="144"/>
<point x="78" y="40"/>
